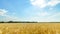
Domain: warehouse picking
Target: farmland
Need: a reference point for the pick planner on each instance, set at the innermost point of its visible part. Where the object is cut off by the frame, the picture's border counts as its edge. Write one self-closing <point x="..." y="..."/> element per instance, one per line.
<point x="29" y="28"/>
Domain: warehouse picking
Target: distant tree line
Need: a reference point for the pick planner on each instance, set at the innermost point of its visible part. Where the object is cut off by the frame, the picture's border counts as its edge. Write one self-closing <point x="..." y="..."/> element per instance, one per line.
<point x="26" y="22"/>
<point x="17" y="22"/>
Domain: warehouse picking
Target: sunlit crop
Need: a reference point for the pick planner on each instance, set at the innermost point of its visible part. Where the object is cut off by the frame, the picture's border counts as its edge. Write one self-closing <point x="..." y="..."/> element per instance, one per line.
<point x="30" y="28"/>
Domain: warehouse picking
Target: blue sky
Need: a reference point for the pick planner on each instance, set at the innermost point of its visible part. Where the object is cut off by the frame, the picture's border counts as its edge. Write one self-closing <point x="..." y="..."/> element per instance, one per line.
<point x="30" y="10"/>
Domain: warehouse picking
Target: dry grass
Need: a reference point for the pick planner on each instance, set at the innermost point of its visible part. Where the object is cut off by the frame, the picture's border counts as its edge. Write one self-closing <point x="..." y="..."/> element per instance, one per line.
<point x="30" y="28"/>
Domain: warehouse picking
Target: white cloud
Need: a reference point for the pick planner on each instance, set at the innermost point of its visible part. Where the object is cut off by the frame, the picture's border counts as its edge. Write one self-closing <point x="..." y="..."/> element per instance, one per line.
<point x="53" y="2"/>
<point x="39" y="3"/>
<point x="32" y="0"/>
<point x="44" y="3"/>
<point x="7" y="17"/>
<point x="3" y="12"/>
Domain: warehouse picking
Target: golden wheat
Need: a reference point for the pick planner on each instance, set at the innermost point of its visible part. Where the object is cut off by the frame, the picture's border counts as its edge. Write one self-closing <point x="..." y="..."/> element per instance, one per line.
<point x="30" y="28"/>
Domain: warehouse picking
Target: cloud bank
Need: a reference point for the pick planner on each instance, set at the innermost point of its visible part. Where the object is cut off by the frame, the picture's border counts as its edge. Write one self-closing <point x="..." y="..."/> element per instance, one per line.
<point x="44" y="3"/>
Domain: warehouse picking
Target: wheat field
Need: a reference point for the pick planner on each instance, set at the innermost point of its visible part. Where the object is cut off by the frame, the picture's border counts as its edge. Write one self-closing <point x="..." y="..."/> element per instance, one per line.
<point x="30" y="28"/>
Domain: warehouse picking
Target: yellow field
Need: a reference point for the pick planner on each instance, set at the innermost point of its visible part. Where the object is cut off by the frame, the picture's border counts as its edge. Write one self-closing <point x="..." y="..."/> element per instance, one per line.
<point x="30" y="28"/>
